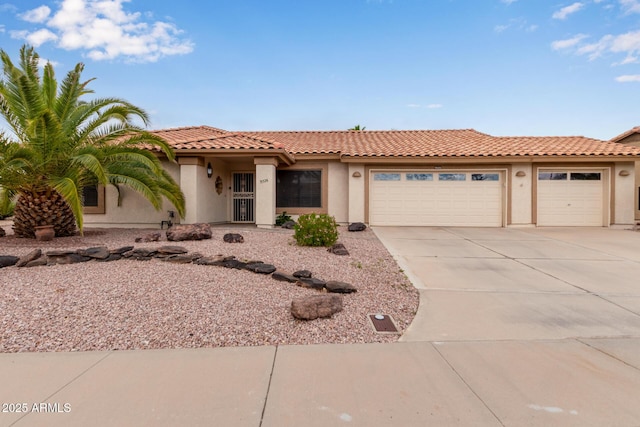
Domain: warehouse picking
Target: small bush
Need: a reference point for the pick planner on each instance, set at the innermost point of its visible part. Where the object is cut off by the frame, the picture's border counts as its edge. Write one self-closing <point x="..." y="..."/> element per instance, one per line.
<point x="282" y="218"/>
<point x="6" y="205"/>
<point x="316" y="230"/>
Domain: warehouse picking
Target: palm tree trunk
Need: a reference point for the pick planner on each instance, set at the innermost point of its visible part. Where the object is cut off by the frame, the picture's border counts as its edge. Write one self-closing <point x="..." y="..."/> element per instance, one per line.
<point x="43" y="208"/>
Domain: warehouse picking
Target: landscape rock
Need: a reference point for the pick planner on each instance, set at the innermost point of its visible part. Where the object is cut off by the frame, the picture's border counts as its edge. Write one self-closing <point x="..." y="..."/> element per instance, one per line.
<point x="233" y="238"/>
<point x="24" y="260"/>
<point x="100" y="252"/>
<point x="289" y="225"/>
<point x="179" y="259"/>
<point x="357" y="226"/>
<point x="181" y="232"/>
<point x="315" y="306"/>
<point x="151" y="237"/>
<point x="8" y="260"/>
<point x="311" y="283"/>
<point x="111" y="257"/>
<point x="283" y="277"/>
<point x="140" y="254"/>
<point x="55" y="257"/>
<point x="261" y="268"/>
<point x="172" y="250"/>
<point x="121" y="250"/>
<point x="37" y="262"/>
<point x="302" y="273"/>
<point x="338" y="249"/>
<point x="217" y="260"/>
<point x="2" y="232"/>
<point x="336" y="287"/>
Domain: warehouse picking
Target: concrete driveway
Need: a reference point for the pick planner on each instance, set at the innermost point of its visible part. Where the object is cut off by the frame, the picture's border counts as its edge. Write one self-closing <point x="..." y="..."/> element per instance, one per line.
<point x="539" y="321"/>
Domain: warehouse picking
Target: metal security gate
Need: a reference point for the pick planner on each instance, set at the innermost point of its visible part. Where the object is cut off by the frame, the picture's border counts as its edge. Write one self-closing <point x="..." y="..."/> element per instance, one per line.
<point x="243" y="197"/>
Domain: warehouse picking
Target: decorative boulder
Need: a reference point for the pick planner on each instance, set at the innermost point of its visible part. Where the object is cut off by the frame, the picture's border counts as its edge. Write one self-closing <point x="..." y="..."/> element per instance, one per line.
<point x="260" y="268"/>
<point x="120" y="251"/>
<point x="217" y="260"/>
<point x="339" y="287"/>
<point x="2" y="232"/>
<point x="172" y="250"/>
<point x="311" y="282"/>
<point x="233" y="238"/>
<point x="180" y="232"/>
<point x="33" y="255"/>
<point x="313" y="307"/>
<point x="100" y="252"/>
<point x="302" y="273"/>
<point x="8" y="260"/>
<point x="289" y="225"/>
<point x="151" y="237"/>
<point x="357" y="226"/>
<point x="283" y="277"/>
<point x="37" y="262"/>
<point x="338" y="249"/>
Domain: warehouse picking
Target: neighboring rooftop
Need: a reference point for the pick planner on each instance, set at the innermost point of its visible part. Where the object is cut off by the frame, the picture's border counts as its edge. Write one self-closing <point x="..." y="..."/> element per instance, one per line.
<point x="392" y="143"/>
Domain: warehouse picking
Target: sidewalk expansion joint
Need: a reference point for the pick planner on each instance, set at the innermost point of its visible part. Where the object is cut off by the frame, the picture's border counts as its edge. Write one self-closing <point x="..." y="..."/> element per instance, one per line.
<point x="266" y="397"/>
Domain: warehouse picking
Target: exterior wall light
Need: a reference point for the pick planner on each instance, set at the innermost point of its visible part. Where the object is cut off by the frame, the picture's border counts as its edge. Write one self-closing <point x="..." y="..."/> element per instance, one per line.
<point x="356" y="174"/>
<point x="209" y="170"/>
<point x="624" y="173"/>
<point x="521" y="173"/>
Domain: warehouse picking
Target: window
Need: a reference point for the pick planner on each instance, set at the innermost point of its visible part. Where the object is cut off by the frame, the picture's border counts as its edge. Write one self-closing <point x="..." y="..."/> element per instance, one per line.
<point x="585" y="176"/>
<point x="93" y="199"/>
<point x="299" y="189"/>
<point x="386" y="177"/>
<point x="485" y="177"/>
<point x="419" y="177"/>
<point x="552" y="176"/>
<point x="452" y="177"/>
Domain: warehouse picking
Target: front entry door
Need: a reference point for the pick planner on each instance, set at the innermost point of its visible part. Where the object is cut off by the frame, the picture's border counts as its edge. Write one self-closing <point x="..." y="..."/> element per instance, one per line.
<point x="243" y="197"/>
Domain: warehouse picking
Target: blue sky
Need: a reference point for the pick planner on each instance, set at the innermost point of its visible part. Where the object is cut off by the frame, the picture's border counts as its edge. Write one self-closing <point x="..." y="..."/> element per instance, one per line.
<point x="504" y="67"/>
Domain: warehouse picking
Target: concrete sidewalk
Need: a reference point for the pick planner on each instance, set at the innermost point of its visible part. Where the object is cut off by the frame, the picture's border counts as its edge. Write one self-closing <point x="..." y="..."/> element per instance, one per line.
<point x="536" y="327"/>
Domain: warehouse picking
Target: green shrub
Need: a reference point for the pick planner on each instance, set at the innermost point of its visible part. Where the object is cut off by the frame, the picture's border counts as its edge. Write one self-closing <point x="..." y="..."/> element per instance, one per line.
<point x="282" y="218"/>
<point x="6" y="205"/>
<point x="316" y="230"/>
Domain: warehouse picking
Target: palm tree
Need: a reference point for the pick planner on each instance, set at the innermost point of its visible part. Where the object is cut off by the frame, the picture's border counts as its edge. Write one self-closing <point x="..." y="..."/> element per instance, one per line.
<point x="58" y="143"/>
<point x="357" y="127"/>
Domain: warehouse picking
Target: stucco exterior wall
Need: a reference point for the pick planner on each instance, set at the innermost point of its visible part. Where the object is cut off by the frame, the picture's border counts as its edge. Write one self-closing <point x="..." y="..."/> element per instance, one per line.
<point x="135" y="211"/>
<point x="520" y="198"/>
<point x="339" y="192"/>
<point x="624" y="196"/>
<point x="265" y="192"/>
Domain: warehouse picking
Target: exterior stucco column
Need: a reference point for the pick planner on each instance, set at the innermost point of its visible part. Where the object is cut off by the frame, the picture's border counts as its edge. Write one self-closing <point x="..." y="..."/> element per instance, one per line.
<point x="265" y="191"/>
<point x="191" y="168"/>
<point x="357" y="181"/>
<point x="625" y="189"/>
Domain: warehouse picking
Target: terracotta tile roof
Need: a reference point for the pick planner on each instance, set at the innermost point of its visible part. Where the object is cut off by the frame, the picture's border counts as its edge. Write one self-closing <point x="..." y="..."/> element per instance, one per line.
<point x="625" y="134"/>
<point x="394" y="143"/>
<point x="440" y="143"/>
<point x="205" y="137"/>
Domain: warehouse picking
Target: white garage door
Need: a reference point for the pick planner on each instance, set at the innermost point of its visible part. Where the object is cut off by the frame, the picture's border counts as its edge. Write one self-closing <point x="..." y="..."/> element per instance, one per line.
<point x="570" y="198"/>
<point x="425" y="198"/>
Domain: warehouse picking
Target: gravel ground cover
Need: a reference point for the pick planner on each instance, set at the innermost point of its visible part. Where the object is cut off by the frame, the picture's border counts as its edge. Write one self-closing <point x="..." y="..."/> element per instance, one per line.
<point x="128" y="304"/>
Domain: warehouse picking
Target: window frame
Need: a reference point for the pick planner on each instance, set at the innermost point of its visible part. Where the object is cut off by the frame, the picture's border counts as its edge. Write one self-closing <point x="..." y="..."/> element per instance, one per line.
<point x="100" y="207"/>
<point x="323" y="169"/>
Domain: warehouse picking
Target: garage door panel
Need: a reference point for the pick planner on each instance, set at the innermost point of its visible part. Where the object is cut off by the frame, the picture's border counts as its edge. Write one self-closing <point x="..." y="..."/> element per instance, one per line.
<point x="563" y="201"/>
<point x="456" y="201"/>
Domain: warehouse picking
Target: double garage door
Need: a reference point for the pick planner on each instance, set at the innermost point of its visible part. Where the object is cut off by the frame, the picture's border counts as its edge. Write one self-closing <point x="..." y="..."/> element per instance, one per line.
<point x="476" y="198"/>
<point x="430" y="198"/>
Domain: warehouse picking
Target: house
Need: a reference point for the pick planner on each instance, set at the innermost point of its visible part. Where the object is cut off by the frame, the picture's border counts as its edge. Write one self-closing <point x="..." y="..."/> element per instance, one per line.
<point x="422" y="177"/>
<point x="632" y="138"/>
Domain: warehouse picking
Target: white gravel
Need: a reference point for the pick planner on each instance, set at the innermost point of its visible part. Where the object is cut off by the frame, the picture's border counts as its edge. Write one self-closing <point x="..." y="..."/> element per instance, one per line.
<point x="127" y="304"/>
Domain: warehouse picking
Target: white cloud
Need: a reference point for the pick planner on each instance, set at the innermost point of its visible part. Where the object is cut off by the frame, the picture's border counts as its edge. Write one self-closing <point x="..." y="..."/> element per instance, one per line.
<point x="434" y="106"/>
<point x="630" y="78"/>
<point x="40" y="37"/>
<point x="37" y="15"/>
<point x="568" y="43"/>
<point x="516" y="24"/>
<point x="630" y="6"/>
<point x="567" y="10"/>
<point x="42" y="62"/>
<point x="508" y="2"/>
<point x="500" y="28"/>
<point x="105" y="31"/>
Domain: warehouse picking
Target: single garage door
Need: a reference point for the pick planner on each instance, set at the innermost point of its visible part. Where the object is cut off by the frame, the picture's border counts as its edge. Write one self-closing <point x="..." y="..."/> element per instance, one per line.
<point x="426" y="198"/>
<point x="570" y="198"/>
